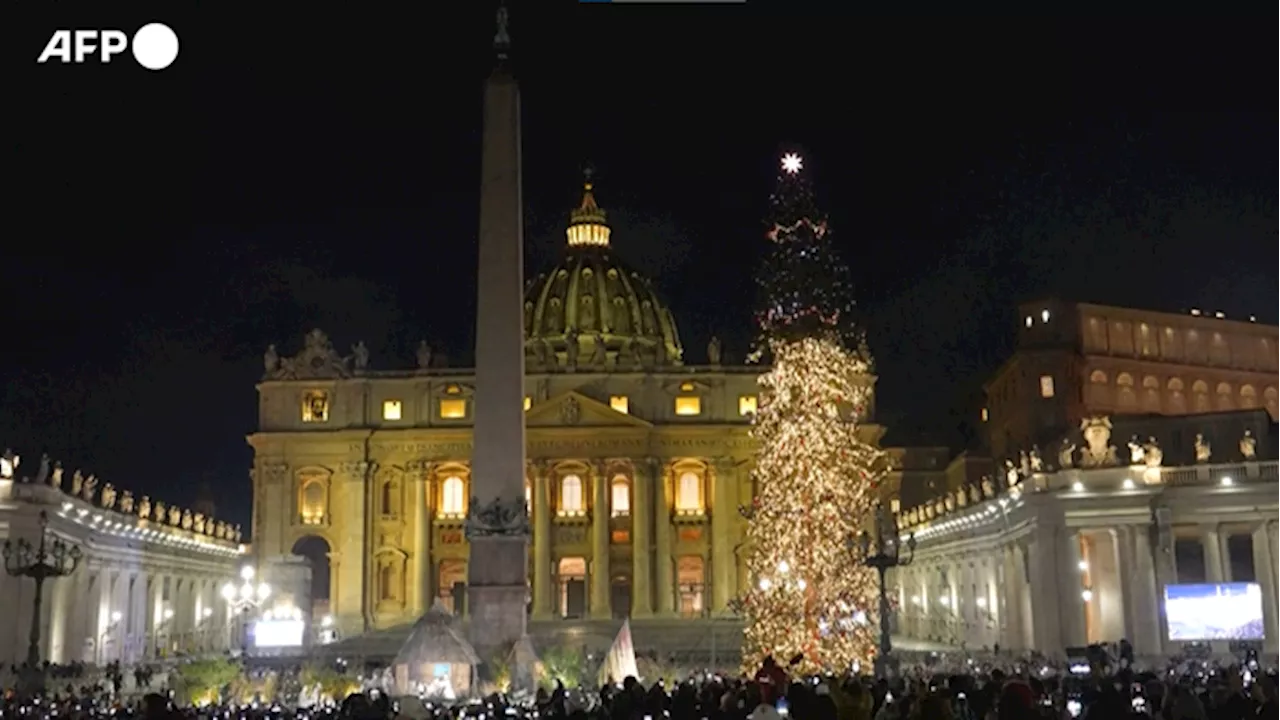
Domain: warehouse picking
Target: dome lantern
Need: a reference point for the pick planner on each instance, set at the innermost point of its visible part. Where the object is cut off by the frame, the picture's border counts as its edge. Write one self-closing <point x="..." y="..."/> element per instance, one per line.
<point x="588" y="226"/>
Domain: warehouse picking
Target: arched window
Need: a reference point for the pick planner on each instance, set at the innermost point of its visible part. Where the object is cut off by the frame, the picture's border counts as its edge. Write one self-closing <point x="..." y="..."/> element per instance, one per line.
<point x="1200" y="396"/>
<point x="1225" y="399"/>
<point x="689" y="493"/>
<point x="571" y="502"/>
<point x="1126" y="399"/>
<point x="453" y="497"/>
<point x="1268" y="357"/>
<point x="1099" y="394"/>
<point x="620" y="497"/>
<point x="1177" y="404"/>
<point x="1248" y="397"/>
<point x="1151" y="394"/>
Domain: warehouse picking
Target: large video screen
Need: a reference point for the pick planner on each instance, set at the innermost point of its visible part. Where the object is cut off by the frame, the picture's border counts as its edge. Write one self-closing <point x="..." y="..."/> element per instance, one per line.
<point x="1214" y="611"/>
<point x="278" y="633"/>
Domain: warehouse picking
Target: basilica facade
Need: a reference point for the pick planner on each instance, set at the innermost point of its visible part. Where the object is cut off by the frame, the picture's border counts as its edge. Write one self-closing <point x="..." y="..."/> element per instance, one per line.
<point x="638" y="461"/>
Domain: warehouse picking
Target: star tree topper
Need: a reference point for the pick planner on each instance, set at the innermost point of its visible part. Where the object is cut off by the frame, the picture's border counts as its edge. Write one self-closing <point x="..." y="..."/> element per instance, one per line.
<point x="792" y="163"/>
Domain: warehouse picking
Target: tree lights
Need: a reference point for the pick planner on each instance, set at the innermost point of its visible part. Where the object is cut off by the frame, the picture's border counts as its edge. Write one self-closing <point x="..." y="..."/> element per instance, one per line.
<point x="809" y="595"/>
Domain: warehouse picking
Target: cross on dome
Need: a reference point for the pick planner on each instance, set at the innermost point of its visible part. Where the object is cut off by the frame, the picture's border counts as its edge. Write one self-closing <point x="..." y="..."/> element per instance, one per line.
<point x="792" y="163"/>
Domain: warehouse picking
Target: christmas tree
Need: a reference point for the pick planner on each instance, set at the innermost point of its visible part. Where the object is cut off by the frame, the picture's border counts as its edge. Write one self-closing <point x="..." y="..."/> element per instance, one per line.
<point x="810" y="595"/>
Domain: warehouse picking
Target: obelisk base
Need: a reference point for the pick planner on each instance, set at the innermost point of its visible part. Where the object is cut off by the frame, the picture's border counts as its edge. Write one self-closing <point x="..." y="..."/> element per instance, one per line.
<point x="498" y="593"/>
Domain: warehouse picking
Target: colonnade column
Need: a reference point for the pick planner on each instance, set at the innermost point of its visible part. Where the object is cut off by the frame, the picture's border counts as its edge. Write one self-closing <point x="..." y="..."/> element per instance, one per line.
<point x="1044" y="585"/>
<point x="1264" y="568"/>
<point x="1074" y="627"/>
<point x="1212" y="544"/>
<point x="1164" y="566"/>
<point x="600" y="575"/>
<point x="1011" y="609"/>
<point x="723" y="504"/>
<point x="643" y="480"/>
<point x="137" y="627"/>
<point x="542" y="580"/>
<point x="662" y="543"/>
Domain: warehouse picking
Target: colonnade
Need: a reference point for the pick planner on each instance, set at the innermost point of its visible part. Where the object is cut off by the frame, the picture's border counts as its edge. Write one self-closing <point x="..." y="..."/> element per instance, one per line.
<point x="129" y="599"/>
<point x="1047" y="586"/>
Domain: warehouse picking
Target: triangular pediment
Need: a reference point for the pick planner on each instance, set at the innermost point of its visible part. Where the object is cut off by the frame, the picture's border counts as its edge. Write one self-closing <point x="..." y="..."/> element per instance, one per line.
<point x="573" y="409"/>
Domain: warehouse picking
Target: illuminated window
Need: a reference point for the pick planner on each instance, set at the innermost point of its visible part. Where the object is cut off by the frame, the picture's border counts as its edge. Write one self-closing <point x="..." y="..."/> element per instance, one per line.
<point x="1044" y="316"/>
<point x="689" y="493"/>
<point x="528" y="499"/>
<point x="453" y="498"/>
<point x="1046" y="386"/>
<point x="688" y="405"/>
<point x="453" y="390"/>
<point x="620" y="499"/>
<point x="392" y="409"/>
<point x="686" y="387"/>
<point x="453" y="408"/>
<point x="1029" y="322"/>
<point x="313" y="503"/>
<point x="315" y="406"/>
<point x="746" y="405"/>
<point x="571" y="496"/>
<point x="986" y="415"/>
<point x="619" y="403"/>
<point x="528" y="402"/>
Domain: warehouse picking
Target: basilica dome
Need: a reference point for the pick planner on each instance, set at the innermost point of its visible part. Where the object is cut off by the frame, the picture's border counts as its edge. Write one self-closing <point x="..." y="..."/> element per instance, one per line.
<point x="592" y="310"/>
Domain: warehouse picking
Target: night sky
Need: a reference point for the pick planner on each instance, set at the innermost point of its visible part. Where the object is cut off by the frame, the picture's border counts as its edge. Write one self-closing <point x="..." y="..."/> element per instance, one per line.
<point x="321" y="170"/>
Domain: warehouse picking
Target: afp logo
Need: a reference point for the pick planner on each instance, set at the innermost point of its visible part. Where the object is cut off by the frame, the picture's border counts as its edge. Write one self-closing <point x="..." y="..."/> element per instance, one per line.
<point x="155" y="46"/>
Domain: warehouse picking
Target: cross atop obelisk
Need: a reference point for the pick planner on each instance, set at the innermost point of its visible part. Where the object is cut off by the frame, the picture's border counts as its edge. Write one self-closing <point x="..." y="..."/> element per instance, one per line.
<point x="497" y="522"/>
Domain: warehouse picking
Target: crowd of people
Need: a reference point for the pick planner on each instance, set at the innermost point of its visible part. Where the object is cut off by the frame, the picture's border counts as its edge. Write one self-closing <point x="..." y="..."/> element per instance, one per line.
<point x="954" y="689"/>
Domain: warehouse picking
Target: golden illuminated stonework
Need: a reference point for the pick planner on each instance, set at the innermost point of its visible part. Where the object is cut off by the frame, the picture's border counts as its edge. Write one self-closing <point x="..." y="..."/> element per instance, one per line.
<point x="638" y="462"/>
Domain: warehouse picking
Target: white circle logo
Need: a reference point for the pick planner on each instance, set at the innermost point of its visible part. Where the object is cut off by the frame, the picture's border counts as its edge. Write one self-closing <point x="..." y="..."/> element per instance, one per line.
<point x="155" y="46"/>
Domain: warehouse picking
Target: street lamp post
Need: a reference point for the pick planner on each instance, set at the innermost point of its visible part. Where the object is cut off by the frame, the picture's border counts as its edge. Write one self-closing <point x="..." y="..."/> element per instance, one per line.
<point x="247" y="597"/>
<point x="882" y="552"/>
<point x="49" y="559"/>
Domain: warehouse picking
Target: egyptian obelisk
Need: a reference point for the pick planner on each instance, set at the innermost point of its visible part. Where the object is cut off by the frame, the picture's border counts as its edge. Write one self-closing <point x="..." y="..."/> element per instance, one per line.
<point x="497" y="522"/>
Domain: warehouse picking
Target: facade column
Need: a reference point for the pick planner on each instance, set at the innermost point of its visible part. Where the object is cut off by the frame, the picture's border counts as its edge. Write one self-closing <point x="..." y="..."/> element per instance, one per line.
<point x="723" y="508"/>
<point x="664" y="569"/>
<point x="542" y="579"/>
<point x="600" y="574"/>
<point x="1264" y="568"/>
<point x="643" y="480"/>
<point x="348" y="600"/>
<point x="1212" y="544"/>
<point x="420" y="516"/>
